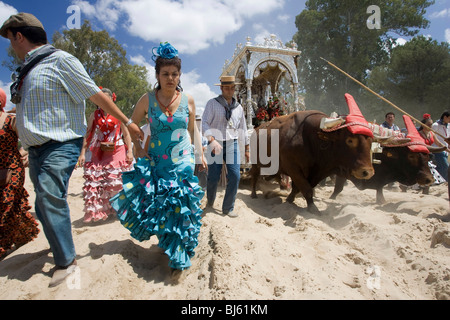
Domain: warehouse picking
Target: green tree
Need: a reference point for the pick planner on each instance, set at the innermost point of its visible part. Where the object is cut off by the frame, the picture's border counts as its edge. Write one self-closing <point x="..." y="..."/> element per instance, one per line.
<point x="105" y="61"/>
<point x="417" y="78"/>
<point x="337" y="30"/>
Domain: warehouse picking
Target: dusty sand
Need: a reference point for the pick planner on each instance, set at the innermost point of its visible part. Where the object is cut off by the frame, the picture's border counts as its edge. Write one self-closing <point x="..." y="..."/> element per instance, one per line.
<point x="272" y="250"/>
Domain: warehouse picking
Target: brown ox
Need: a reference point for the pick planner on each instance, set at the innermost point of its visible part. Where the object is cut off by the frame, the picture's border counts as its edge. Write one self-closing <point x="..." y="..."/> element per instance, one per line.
<point x="308" y="155"/>
<point x="407" y="164"/>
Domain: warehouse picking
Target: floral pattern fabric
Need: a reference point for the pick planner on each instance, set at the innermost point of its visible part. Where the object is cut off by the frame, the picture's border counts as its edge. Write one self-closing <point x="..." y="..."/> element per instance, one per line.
<point x="17" y="225"/>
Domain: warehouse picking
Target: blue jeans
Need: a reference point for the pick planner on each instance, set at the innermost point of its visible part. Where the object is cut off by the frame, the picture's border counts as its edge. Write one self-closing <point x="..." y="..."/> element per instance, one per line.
<point x="441" y="162"/>
<point x="231" y="155"/>
<point x="51" y="166"/>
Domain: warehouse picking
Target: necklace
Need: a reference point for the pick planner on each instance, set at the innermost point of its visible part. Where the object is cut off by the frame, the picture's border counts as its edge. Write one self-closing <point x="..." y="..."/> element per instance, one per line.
<point x="167" y="107"/>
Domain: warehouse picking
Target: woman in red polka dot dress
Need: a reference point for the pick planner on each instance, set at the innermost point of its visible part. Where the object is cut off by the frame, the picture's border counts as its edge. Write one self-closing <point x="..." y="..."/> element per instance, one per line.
<point x="17" y="225"/>
<point x="103" y="171"/>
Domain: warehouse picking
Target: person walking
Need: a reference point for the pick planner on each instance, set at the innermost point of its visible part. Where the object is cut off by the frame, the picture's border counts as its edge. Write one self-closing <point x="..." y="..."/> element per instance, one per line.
<point x="17" y="225"/>
<point x="111" y="149"/>
<point x="50" y="92"/>
<point x="162" y="195"/>
<point x="223" y="122"/>
<point x="440" y="159"/>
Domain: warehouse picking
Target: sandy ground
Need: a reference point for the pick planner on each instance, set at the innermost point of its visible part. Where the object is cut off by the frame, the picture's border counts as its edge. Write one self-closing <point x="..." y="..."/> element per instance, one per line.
<point x="272" y="250"/>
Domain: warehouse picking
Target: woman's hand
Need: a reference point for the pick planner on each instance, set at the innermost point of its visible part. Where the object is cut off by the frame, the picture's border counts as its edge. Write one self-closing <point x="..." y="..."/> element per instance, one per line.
<point x="24" y="157"/>
<point x="129" y="156"/>
<point x="81" y="161"/>
<point x="141" y="153"/>
<point x="216" y="148"/>
<point x="204" y="164"/>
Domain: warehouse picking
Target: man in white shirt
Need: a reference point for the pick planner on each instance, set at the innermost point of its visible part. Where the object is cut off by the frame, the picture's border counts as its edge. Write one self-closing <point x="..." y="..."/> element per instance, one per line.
<point x="223" y="122"/>
<point x="441" y="159"/>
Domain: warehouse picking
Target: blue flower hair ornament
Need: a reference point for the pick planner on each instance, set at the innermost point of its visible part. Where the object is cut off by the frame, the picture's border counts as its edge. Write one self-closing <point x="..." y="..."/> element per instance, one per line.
<point x="165" y="50"/>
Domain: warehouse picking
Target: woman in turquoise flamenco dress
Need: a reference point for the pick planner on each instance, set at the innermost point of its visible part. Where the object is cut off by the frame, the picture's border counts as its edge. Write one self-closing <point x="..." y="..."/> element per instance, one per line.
<point x="162" y="196"/>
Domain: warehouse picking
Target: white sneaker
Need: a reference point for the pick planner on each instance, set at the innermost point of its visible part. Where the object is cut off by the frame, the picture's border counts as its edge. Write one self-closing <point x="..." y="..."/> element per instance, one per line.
<point x="232" y="214"/>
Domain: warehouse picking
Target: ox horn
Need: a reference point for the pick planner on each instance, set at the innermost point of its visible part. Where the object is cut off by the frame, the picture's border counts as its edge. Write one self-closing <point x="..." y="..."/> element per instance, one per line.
<point x="327" y="123"/>
<point x="393" y="141"/>
<point x="436" y="149"/>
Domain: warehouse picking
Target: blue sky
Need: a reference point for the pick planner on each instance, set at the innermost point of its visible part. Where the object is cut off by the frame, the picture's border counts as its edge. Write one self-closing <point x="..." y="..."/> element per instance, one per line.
<point x="205" y="32"/>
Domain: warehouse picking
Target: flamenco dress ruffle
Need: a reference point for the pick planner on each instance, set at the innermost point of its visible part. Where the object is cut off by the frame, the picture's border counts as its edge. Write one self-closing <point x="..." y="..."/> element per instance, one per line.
<point x="168" y="208"/>
<point x="103" y="180"/>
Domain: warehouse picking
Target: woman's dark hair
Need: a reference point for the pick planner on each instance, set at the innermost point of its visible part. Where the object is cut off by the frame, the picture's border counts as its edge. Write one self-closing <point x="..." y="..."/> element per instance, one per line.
<point x="445" y="114"/>
<point x="163" y="62"/>
<point x="107" y="91"/>
<point x="35" y="35"/>
<point x="423" y="121"/>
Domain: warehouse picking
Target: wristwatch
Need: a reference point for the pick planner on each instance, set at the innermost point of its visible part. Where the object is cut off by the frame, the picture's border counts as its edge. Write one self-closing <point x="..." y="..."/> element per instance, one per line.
<point x="130" y="121"/>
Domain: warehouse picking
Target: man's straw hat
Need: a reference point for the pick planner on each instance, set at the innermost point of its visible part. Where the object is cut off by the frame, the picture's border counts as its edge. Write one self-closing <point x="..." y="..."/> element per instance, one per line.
<point x="227" y="81"/>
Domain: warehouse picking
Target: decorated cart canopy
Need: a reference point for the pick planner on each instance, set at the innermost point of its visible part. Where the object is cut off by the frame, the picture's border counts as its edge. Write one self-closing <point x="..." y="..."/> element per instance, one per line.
<point x="268" y="73"/>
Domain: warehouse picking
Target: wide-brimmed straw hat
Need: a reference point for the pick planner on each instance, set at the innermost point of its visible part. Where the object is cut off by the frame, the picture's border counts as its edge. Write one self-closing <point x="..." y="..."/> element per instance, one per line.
<point x="227" y="81"/>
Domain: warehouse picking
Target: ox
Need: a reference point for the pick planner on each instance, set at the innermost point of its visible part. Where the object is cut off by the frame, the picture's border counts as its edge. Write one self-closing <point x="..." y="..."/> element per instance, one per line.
<point x="407" y="164"/>
<point x="308" y="154"/>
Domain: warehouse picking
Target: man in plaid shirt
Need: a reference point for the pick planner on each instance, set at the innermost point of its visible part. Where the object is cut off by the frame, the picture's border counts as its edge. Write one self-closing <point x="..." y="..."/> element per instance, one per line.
<point x="50" y="105"/>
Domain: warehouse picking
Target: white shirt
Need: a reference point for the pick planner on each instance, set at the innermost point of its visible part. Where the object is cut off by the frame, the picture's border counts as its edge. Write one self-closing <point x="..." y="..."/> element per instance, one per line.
<point x="214" y="123"/>
<point x="442" y="129"/>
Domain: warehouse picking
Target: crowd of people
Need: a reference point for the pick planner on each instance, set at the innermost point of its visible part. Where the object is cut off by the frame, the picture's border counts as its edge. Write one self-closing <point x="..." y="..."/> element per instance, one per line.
<point x="147" y="177"/>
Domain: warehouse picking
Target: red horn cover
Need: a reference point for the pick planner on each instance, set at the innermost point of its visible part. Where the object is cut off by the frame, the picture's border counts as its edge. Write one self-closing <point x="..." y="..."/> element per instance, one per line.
<point x="414" y="135"/>
<point x="355" y="115"/>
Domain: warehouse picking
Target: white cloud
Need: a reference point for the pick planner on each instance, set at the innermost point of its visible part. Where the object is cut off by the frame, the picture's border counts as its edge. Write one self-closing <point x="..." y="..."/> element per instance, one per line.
<point x="440" y="14"/>
<point x="103" y="10"/>
<point x="5" y="87"/>
<point x="400" y="42"/>
<point x="200" y="91"/>
<point x="447" y="35"/>
<point x="6" y="11"/>
<point x="261" y="33"/>
<point x="189" y="25"/>
<point x="283" y="18"/>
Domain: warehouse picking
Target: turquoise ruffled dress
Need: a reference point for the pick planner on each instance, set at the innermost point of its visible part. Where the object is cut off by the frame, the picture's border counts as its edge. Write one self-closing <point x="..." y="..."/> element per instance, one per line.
<point x="162" y="196"/>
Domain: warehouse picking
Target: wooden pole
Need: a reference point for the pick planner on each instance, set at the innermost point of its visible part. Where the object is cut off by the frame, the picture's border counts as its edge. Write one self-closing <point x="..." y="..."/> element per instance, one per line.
<point x="381" y="97"/>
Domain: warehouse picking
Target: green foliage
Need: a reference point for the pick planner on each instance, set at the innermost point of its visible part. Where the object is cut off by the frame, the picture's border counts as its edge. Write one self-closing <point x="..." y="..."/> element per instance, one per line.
<point x="105" y="61"/>
<point x="417" y="78"/>
<point x="337" y="31"/>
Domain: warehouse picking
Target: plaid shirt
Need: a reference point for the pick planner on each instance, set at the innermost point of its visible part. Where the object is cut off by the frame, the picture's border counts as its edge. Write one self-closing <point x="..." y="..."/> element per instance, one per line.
<point x="215" y="124"/>
<point x="53" y="101"/>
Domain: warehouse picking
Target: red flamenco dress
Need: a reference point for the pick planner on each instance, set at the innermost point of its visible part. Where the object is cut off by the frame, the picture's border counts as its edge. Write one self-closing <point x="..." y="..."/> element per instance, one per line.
<point x="17" y="225"/>
<point x="103" y="173"/>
